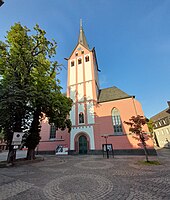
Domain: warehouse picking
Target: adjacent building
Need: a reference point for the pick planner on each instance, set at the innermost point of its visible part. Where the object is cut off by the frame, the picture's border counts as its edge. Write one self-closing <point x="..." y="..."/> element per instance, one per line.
<point x="161" y="127"/>
<point x="97" y="114"/>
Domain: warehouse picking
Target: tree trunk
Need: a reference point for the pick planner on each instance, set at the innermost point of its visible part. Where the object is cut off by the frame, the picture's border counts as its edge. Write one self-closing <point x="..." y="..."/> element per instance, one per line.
<point x="11" y="155"/>
<point x="146" y="152"/>
<point x="30" y="154"/>
<point x="34" y="137"/>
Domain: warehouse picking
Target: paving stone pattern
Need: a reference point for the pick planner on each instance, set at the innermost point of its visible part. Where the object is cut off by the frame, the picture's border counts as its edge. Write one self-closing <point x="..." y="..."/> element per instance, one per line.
<point x="87" y="178"/>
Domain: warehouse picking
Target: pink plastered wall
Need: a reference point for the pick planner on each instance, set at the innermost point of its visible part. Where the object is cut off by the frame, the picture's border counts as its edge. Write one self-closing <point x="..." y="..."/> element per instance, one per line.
<point x="127" y="107"/>
<point x="47" y="144"/>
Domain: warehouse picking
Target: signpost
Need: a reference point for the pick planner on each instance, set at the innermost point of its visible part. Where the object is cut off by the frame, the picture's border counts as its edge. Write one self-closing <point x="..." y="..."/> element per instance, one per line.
<point x="107" y="147"/>
<point x="17" y="138"/>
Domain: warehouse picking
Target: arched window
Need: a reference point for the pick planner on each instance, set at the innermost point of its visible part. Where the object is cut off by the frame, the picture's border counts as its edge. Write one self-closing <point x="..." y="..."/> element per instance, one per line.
<point x="87" y="58"/>
<point x="81" y="118"/>
<point x="117" y="124"/>
<point x="79" y="61"/>
<point x="72" y="63"/>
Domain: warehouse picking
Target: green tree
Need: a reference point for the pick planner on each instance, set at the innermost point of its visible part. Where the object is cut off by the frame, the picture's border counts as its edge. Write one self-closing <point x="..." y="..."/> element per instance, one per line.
<point x="150" y="126"/>
<point x="136" y="124"/>
<point x="29" y="80"/>
<point x="13" y="85"/>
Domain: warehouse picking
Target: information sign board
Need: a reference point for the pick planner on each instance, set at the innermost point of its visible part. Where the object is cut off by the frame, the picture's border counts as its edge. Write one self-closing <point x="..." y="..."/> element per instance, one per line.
<point x="17" y="138"/>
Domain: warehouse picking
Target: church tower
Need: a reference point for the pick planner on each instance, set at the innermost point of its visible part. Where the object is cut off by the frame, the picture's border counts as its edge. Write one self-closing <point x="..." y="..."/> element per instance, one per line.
<point x="83" y="89"/>
<point x="97" y="114"/>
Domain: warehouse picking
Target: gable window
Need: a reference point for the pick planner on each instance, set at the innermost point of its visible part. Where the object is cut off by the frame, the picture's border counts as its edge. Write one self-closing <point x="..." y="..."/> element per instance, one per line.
<point x="52" y="131"/>
<point x="72" y="63"/>
<point x="79" y="61"/>
<point x="76" y="53"/>
<point x="81" y="118"/>
<point x="87" y="58"/>
<point x="117" y="124"/>
<point x="82" y="52"/>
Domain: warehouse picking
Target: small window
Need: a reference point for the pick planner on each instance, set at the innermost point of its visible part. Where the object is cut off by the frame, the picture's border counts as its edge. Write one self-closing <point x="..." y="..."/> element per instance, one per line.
<point x="76" y="53"/>
<point x="52" y="131"/>
<point x="81" y="118"/>
<point x="82" y="52"/>
<point x="79" y="61"/>
<point x="87" y="58"/>
<point x="72" y="63"/>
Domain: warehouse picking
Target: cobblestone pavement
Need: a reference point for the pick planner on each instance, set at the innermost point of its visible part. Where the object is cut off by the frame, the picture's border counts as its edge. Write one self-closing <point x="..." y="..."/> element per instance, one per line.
<point x="88" y="177"/>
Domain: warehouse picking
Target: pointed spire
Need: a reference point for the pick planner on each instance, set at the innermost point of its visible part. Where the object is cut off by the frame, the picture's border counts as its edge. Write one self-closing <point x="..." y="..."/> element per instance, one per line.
<point x="82" y="39"/>
<point x="81" y="24"/>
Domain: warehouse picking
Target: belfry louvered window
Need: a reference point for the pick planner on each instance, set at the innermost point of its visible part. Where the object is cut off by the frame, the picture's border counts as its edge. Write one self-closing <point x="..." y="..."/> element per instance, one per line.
<point x="72" y="63"/>
<point x="79" y="61"/>
<point x="117" y="124"/>
<point x="87" y="58"/>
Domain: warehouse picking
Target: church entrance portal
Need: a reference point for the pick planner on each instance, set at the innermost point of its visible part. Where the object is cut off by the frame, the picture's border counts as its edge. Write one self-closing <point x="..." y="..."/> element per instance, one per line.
<point x="82" y="145"/>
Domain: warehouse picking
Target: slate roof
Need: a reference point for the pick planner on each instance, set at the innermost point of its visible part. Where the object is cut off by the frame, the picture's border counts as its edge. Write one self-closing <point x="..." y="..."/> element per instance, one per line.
<point x="82" y="38"/>
<point x="111" y="94"/>
<point x="161" y="115"/>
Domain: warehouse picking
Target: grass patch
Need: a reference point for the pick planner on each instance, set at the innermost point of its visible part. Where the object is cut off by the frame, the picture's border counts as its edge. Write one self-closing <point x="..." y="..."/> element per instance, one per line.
<point x="151" y="162"/>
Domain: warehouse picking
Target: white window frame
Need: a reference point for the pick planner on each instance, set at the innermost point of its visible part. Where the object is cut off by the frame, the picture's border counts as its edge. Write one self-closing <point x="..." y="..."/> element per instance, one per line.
<point x="117" y="123"/>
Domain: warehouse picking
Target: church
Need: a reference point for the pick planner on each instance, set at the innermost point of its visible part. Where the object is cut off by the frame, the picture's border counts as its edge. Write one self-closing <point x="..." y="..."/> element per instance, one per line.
<point x="97" y="114"/>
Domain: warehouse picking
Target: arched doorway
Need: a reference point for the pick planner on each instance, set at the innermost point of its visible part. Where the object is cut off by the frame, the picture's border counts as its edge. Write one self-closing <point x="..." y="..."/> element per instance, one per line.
<point x="82" y="144"/>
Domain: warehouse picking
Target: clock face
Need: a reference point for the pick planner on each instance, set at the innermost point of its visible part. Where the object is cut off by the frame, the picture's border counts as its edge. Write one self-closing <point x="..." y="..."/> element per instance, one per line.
<point x="79" y="49"/>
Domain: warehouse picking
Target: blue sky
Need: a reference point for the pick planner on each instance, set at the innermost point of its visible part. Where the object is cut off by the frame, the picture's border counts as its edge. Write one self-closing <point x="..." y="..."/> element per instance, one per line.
<point x="131" y="38"/>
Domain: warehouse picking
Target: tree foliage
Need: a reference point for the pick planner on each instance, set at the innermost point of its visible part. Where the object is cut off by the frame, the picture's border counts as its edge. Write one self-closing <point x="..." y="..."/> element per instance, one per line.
<point x="29" y="85"/>
<point x="150" y="126"/>
<point x="136" y="124"/>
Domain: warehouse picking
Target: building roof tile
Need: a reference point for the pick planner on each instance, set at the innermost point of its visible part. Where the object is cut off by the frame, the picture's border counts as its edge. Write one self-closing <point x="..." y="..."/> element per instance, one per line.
<point x="111" y="94"/>
<point x="161" y="115"/>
